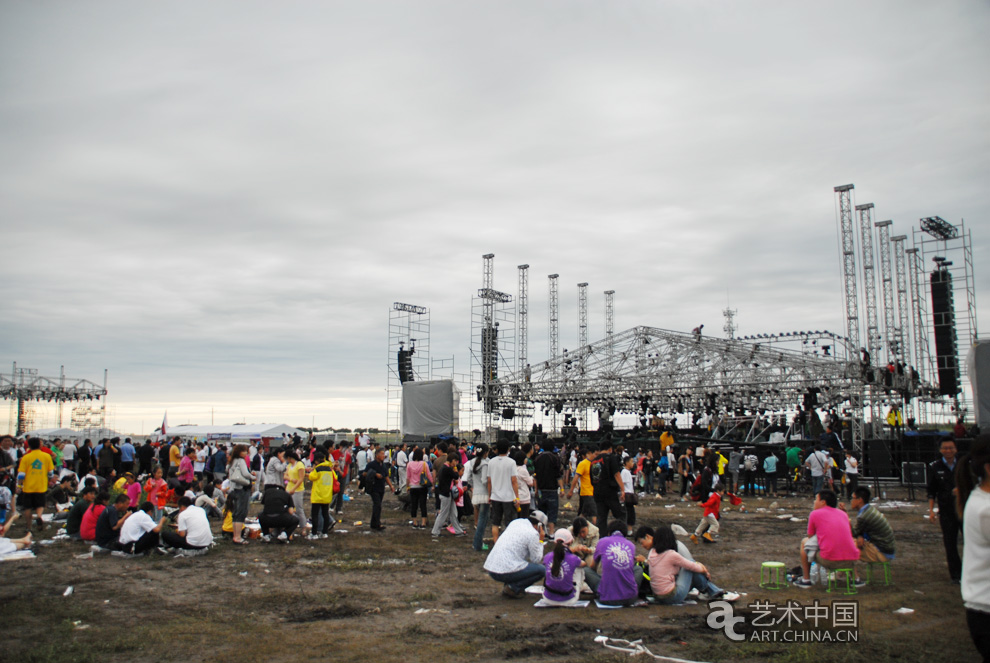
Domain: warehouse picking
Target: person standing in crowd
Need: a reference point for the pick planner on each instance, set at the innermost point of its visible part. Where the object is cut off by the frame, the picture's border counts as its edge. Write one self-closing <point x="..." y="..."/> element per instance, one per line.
<point x="852" y="474"/>
<point x="127" y="455"/>
<point x="630" y="493"/>
<point x="155" y="489"/>
<point x="35" y="475"/>
<point x="819" y="464"/>
<point x="401" y="461"/>
<point x="448" y="511"/>
<point x="275" y="469"/>
<point x="503" y="489"/>
<point x="377" y="475"/>
<point x="239" y="496"/>
<point x="973" y="506"/>
<point x="174" y="457"/>
<point x="187" y="471"/>
<point x="145" y="456"/>
<point x="549" y="482"/>
<point x="419" y="479"/>
<point x="609" y="493"/>
<point x="295" y="486"/>
<point x="685" y="468"/>
<point x="69" y="454"/>
<point x="582" y="481"/>
<point x="476" y="472"/>
<point x="941" y="487"/>
<point x="525" y="482"/>
<point x="322" y="476"/>
<point x="770" y="471"/>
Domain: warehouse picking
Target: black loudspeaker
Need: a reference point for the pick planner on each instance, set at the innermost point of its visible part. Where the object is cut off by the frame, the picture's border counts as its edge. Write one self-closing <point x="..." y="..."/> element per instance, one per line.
<point x="946" y="349"/>
<point x="405" y="366"/>
<point x="881" y="462"/>
<point x="489" y="354"/>
<point x="508" y="413"/>
<point x="914" y="474"/>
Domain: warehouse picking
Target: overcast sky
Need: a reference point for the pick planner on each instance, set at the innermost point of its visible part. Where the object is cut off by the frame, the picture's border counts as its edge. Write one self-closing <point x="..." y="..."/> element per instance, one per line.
<point x="219" y="202"/>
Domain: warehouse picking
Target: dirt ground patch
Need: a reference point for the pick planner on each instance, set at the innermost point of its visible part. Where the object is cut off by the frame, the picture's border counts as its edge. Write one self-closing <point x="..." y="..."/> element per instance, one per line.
<point x="354" y="597"/>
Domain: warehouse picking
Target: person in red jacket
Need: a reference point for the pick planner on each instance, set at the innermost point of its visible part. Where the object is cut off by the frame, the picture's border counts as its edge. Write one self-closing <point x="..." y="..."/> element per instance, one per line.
<point x="709" y="521"/>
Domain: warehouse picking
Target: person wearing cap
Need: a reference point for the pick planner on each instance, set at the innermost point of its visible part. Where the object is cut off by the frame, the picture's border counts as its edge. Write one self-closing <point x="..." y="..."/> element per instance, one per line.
<point x="564" y="575"/>
<point x="516" y="559"/>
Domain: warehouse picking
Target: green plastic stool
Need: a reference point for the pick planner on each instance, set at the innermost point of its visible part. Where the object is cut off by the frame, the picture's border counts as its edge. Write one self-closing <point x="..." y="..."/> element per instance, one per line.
<point x="835" y="583"/>
<point x="886" y="573"/>
<point x="770" y="575"/>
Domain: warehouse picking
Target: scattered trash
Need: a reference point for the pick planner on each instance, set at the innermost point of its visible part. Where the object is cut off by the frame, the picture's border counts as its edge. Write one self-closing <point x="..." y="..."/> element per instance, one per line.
<point x="68" y="591"/>
<point x="760" y="509"/>
<point x="79" y="626"/>
<point x="797" y="520"/>
<point x="669" y="506"/>
<point x="47" y="542"/>
<point x="107" y="601"/>
<point x="568" y="506"/>
<point x="267" y="571"/>
<point x="903" y="611"/>
<point x="423" y="611"/>
<point x="773" y="505"/>
<point x="917" y="592"/>
<point x="785" y="516"/>
<point x="243" y="574"/>
<point x="896" y="504"/>
<point x="636" y="647"/>
<point x="340" y="531"/>
<point x="678" y="530"/>
<point x="358" y="524"/>
<point x="88" y="555"/>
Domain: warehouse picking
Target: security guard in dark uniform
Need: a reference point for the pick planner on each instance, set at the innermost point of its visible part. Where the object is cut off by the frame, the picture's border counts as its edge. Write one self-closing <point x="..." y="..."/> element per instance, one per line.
<point x="942" y="487"/>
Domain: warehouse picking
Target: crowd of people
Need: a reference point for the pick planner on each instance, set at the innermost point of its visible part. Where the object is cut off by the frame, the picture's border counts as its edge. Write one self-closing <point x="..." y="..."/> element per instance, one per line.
<point x="134" y="499"/>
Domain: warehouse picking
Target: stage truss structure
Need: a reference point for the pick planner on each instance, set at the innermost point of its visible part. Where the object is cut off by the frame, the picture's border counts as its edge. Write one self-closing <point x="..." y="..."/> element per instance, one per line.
<point x="408" y="331"/>
<point x="24" y="386"/>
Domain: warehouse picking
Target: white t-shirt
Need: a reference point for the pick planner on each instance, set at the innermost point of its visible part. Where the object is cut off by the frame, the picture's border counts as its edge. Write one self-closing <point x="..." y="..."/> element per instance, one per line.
<point x="627" y="482"/>
<point x="136" y="525"/>
<point x="196" y="525"/>
<point x="976" y="551"/>
<point x="501" y="469"/>
<point x="69" y="451"/>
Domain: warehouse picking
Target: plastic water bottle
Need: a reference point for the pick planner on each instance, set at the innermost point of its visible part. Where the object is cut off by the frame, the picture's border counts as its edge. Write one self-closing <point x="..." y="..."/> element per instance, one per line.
<point x="824" y="574"/>
<point x="814" y="573"/>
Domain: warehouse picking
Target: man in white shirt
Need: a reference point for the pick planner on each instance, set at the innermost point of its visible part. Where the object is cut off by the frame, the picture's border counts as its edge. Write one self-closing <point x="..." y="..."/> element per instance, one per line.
<point x="503" y="488"/>
<point x="193" y="528"/>
<point x="516" y="558"/>
<point x="401" y="460"/>
<point x="139" y="533"/>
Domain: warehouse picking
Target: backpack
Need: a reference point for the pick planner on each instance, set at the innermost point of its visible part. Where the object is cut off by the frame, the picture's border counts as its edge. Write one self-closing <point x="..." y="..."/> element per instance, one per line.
<point x="750" y="463"/>
<point x="209" y="464"/>
<point x="597" y="472"/>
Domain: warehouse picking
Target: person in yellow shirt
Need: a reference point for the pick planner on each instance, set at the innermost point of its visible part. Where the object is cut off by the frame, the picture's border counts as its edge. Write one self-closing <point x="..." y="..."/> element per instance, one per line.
<point x="666" y="439"/>
<point x="322" y="477"/>
<point x="295" y="474"/>
<point x="35" y="475"/>
<point x="174" y="457"/>
<point x="586" y="494"/>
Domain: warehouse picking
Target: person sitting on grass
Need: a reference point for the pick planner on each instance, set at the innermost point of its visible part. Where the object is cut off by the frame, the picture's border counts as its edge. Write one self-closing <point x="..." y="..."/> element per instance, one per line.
<point x="615" y="561"/>
<point x="709" y="519"/>
<point x="586" y="537"/>
<point x="192" y="528"/>
<point x="139" y="533"/>
<point x="87" y="526"/>
<point x="564" y="571"/>
<point x="673" y="576"/>
<point x="516" y="559"/>
<point x="829" y="541"/>
<point x="78" y="510"/>
<point x="110" y="521"/>
<point x="874" y="535"/>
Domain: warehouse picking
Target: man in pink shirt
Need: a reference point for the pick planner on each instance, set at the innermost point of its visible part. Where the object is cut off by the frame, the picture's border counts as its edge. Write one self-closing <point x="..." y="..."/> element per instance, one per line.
<point x="830" y="541"/>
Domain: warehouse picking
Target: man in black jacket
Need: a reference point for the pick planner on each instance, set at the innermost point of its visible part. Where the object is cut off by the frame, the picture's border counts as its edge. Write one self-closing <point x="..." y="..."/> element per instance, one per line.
<point x="549" y="478"/>
<point x="941" y="487"/>
<point x="609" y="493"/>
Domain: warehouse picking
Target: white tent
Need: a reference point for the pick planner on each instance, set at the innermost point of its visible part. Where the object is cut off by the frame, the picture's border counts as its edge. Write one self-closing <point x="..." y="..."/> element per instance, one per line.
<point x="236" y="432"/>
<point x="68" y="433"/>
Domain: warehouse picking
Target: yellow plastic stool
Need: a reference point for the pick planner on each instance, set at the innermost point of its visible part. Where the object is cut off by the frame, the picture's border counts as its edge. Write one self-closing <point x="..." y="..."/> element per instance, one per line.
<point x="770" y="575"/>
<point x="886" y="573"/>
<point x="834" y="582"/>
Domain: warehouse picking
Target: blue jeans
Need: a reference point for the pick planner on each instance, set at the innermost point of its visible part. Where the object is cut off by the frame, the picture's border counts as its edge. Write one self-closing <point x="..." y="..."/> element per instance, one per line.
<point x="479" y="533"/>
<point x="817" y="483"/>
<point x="548" y="503"/>
<point x="518" y="581"/>
<point x="686" y="580"/>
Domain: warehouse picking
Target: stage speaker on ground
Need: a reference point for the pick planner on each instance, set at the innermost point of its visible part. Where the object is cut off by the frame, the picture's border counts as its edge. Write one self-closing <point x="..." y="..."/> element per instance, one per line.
<point x="944" y="318"/>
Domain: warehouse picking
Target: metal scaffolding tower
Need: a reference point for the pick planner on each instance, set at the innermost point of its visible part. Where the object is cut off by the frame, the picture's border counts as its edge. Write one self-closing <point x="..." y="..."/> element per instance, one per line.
<point x="850" y="298"/>
<point x="492" y="345"/>
<point x="24" y="386"/>
<point x="729" y="327"/>
<point x="522" y="315"/>
<point x="408" y="356"/>
<point x="919" y="304"/>
<point x="946" y="247"/>
<point x="887" y="291"/>
<point x="873" y="338"/>
<point x="554" y="329"/>
<point x="902" y="330"/>
<point x="582" y="314"/>
<point x="609" y="327"/>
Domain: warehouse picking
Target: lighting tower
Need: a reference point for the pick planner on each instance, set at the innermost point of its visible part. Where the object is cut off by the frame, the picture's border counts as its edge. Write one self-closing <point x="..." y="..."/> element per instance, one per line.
<point x="729" y="327"/>
<point x="554" y="332"/>
<point x="582" y="314"/>
<point x="903" y="332"/>
<point x="887" y="290"/>
<point x="847" y="235"/>
<point x="522" y="313"/>
<point x="870" y="299"/>
<point x="609" y="326"/>
<point x="919" y="303"/>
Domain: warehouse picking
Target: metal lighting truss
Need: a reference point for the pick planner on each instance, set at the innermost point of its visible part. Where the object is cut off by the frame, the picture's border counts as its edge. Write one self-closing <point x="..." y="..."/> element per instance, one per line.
<point x="24" y="385"/>
<point x="408" y="329"/>
<point x="847" y="235"/>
